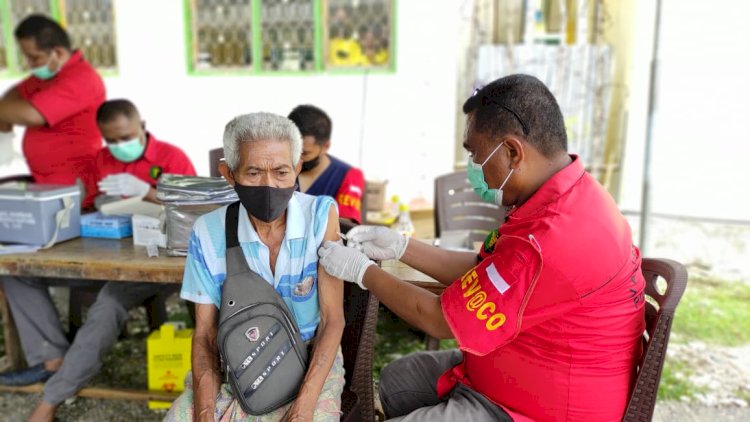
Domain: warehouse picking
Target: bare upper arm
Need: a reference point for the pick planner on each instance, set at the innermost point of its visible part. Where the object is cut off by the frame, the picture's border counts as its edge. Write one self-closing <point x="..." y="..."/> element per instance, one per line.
<point x="330" y="289"/>
<point x="12" y="94"/>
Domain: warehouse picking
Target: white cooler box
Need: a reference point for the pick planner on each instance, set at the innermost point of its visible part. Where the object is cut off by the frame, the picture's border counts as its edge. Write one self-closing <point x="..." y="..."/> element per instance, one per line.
<point x="39" y="214"/>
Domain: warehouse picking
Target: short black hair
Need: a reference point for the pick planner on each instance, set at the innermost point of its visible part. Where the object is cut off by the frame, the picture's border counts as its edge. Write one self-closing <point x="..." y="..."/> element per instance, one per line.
<point x="312" y="121"/>
<point x="47" y="33"/>
<point x="523" y="106"/>
<point x="110" y="110"/>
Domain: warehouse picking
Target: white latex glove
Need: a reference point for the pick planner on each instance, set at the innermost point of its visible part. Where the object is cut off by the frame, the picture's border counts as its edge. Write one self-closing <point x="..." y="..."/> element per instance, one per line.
<point x="377" y="242"/>
<point x="344" y="263"/>
<point x="123" y="184"/>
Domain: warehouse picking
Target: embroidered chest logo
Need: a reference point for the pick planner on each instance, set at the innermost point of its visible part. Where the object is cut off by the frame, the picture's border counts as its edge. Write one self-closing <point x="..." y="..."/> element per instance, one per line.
<point x="476" y="301"/>
<point x="490" y="240"/>
<point x="155" y="172"/>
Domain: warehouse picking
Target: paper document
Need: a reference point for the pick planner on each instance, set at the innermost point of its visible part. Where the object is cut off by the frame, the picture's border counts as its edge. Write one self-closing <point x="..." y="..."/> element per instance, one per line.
<point x="130" y="206"/>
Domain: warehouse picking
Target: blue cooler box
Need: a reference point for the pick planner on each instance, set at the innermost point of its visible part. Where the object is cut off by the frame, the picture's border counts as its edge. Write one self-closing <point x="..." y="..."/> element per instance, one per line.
<point x="32" y="213"/>
<point x="110" y="227"/>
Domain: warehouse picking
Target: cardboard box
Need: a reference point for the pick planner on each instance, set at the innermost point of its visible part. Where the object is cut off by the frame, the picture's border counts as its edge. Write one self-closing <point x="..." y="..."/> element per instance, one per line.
<point x="168" y="353"/>
<point x="109" y="227"/>
<point x="148" y="231"/>
<point x="33" y="214"/>
<point x="375" y="191"/>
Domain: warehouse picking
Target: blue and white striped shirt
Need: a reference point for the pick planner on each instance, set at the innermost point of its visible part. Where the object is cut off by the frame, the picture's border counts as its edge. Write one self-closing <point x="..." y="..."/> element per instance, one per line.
<point x="296" y="275"/>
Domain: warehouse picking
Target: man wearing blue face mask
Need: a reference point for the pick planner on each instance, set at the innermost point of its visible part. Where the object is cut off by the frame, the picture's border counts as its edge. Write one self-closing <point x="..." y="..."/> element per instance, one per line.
<point x="549" y="316"/>
<point x="133" y="160"/>
<point x="56" y="104"/>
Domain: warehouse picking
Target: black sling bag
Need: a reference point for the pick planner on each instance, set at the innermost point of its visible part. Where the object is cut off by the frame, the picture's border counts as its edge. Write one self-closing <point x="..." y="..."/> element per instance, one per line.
<point x="259" y="342"/>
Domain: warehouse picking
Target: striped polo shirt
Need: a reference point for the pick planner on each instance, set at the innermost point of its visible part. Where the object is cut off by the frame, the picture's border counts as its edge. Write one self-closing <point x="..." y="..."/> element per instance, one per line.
<point x="296" y="275"/>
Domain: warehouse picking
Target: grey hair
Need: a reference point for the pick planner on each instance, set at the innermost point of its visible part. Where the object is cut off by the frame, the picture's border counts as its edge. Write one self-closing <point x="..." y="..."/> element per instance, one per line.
<point x="259" y="127"/>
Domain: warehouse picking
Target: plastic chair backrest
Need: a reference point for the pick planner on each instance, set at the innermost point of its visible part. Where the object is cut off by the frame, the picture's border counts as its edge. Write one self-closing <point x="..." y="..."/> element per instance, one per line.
<point x="658" y="325"/>
<point x="214" y="158"/>
<point x="457" y="207"/>
<point x="358" y="348"/>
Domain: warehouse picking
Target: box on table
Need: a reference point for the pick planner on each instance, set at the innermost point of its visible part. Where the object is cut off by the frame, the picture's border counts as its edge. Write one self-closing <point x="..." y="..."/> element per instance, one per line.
<point x="147" y="230"/>
<point x="107" y="226"/>
<point x="34" y="214"/>
<point x="168" y="353"/>
<point x="375" y="191"/>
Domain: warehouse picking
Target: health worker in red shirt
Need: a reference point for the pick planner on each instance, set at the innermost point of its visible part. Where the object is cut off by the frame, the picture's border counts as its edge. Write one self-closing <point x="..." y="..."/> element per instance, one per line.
<point x="133" y="160"/>
<point x="549" y="315"/>
<point x="322" y="173"/>
<point x="130" y="165"/>
<point x="56" y="105"/>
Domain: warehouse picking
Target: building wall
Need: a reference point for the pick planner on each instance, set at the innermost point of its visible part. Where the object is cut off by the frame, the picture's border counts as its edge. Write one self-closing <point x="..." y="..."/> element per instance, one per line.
<point x="398" y="126"/>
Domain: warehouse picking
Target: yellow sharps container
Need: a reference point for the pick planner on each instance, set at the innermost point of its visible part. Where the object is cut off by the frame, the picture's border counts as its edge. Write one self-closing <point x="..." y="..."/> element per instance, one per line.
<point x="168" y="353"/>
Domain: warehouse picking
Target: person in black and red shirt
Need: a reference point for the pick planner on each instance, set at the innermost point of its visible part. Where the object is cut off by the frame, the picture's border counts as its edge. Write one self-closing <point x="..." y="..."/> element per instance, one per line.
<point x="322" y="173"/>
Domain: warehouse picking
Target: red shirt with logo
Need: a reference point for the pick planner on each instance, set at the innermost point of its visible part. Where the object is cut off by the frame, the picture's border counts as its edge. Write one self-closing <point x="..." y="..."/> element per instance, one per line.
<point x="158" y="158"/>
<point x="65" y="147"/>
<point x="550" y="321"/>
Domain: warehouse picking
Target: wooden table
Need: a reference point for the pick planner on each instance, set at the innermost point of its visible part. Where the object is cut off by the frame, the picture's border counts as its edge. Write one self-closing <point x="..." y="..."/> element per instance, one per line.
<point x="117" y="260"/>
<point x="95" y="259"/>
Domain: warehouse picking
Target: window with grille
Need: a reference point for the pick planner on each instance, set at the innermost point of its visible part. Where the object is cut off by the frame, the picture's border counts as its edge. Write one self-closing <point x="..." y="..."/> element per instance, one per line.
<point x="221" y="34"/>
<point x="289" y="36"/>
<point x="89" y="23"/>
<point x="91" y="27"/>
<point x="358" y="33"/>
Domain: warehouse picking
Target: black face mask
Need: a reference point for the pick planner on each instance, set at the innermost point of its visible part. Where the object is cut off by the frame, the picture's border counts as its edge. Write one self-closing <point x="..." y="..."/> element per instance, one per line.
<point x="309" y="165"/>
<point x="265" y="203"/>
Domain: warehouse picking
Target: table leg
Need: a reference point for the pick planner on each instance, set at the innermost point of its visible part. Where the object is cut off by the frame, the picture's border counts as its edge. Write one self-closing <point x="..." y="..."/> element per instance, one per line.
<point x="13" y="359"/>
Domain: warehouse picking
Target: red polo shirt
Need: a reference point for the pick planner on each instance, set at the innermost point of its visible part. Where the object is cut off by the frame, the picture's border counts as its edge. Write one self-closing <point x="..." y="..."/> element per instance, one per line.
<point x="64" y="148"/>
<point x="550" y="321"/>
<point x="158" y="158"/>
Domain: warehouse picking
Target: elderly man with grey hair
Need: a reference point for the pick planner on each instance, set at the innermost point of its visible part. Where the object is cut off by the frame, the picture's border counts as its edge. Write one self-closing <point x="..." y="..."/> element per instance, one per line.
<point x="279" y="233"/>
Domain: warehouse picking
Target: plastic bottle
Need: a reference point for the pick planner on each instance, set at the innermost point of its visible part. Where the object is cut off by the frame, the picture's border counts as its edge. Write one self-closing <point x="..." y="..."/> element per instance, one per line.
<point x="394" y="206"/>
<point x="404" y="224"/>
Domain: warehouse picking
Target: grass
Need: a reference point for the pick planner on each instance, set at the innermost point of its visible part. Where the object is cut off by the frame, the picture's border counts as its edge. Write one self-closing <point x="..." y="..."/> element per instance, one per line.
<point x="711" y="311"/>
<point x="715" y="312"/>
<point x="674" y="383"/>
<point x="395" y="338"/>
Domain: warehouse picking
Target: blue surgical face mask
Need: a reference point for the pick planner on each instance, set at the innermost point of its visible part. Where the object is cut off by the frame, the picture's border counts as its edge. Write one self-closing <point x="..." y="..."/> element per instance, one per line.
<point x="476" y="179"/>
<point x="127" y="151"/>
<point x="43" y="72"/>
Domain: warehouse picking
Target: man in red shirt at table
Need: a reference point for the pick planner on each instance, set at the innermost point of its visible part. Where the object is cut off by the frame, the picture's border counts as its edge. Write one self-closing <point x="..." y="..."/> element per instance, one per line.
<point x="57" y="105"/>
<point x="549" y="316"/>
<point x="133" y="160"/>
<point x="130" y="165"/>
<point x="322" y="173"/>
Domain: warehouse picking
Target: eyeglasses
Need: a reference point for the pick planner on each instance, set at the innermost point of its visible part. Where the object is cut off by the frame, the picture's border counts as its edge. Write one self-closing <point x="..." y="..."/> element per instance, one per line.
<point x="486" y="100"/>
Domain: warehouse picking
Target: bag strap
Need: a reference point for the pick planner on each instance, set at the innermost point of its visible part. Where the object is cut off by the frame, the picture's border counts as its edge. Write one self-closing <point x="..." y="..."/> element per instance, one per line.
<point x="232" y="224"/>
<point x="235" y="258"/>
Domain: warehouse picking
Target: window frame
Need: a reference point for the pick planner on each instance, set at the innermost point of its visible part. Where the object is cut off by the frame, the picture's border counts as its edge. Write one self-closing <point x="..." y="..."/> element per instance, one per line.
<point x="256" y="69"/>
